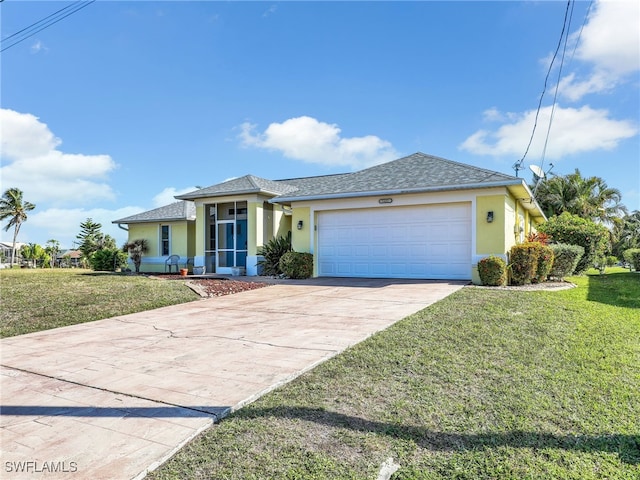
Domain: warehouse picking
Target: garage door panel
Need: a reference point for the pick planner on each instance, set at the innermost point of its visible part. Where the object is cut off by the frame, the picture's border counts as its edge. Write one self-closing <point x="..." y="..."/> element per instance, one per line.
<point x="458" y="249"/>
<point x="404" y="242"/>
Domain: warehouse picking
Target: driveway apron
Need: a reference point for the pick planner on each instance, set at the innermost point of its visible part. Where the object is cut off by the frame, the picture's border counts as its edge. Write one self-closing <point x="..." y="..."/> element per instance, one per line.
<point x="115" y="398"/>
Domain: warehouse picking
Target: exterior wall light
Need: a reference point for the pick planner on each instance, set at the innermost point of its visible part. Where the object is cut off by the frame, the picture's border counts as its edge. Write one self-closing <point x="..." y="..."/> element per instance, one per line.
<point x="490" y="216"/>
<point x="300" y="224"/>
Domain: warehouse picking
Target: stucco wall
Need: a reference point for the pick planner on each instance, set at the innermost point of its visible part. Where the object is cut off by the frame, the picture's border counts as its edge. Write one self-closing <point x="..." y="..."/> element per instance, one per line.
<point x="301" y="239"/>
<point x="282" y="222"/>
<point x="147" y="231"/>
<point x="490" y="237"/>
<point x="182" y="243"/>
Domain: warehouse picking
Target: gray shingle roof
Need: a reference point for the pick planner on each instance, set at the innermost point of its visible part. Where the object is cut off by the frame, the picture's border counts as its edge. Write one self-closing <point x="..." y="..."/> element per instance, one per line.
<point x="176" y="211"/>
<point x="414" y="173"/>
<point x="241" y="185"/>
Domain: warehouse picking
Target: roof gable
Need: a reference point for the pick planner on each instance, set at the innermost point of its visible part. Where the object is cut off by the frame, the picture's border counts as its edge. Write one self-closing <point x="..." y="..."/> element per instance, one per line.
<point x="240" y="186"/>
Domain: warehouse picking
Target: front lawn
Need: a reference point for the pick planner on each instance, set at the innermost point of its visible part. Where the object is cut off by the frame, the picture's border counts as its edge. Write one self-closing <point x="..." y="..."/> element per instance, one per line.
<point x="484" y="384"/>
<point x="39" y="299"/>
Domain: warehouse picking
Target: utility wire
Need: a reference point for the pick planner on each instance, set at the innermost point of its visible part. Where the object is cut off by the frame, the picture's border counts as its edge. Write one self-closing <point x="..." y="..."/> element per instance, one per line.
<point x="575" y="47"/>
<point x="555" y="98"/>
<point x="518" y="165"/>
<point x="44" y="23"/>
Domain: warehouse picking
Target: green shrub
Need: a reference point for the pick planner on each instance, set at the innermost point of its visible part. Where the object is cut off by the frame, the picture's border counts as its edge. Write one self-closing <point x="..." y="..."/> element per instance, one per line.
<point x="575" y="230"/>
<point x="492" y="271"/>
<point x="297" y="265"/>
<point x="632" y="256"/>
<point x="523" y="263"/>
<point x="566" y="258"/>
<point x="611" y="260"/>
<point x="272" y="252"/>
<point x="545" y="262"/>
<point x="107" y="259"/>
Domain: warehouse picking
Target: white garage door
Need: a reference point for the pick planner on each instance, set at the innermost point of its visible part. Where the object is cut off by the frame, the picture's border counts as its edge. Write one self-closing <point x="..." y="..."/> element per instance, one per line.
<point x="428" y="241"/>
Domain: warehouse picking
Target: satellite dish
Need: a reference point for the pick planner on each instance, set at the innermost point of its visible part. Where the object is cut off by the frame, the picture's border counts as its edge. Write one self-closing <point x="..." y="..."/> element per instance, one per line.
<point x="537" y="172"/>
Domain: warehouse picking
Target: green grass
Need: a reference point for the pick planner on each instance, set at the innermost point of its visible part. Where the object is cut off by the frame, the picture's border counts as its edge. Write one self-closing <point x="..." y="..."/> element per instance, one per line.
<point x="484" y="384"/>
<point x="34" y="300"/>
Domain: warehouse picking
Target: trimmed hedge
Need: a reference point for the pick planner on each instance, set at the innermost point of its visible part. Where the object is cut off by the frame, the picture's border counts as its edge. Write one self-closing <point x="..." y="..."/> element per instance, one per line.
<point x="632" y="256"/>
<point x="493" y="271"/>
<point x="523" y="263"/>
<point x="297" y="265"/>
<point x="545" y="262"/>
<point x="575" y="230"/>
<point x="566" y="258"/>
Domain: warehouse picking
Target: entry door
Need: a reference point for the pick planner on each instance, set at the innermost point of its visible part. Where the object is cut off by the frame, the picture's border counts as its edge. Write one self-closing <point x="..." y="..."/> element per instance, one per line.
<point x="231" y="236"/>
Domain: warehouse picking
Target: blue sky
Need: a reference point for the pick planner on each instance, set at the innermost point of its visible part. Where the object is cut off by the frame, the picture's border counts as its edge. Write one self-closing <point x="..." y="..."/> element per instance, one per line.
<point x="122" y="105"/>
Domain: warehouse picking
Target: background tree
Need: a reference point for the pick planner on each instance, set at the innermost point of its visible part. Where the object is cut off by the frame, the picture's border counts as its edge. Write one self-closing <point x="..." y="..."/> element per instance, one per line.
<point x="627" y="234"/>
<point x="35" y="254"/>
<point x="53" y="248"/>
<point x="92" y="239"/>
<point x="14" y="208"/>
<point x="589" y="198"/>
<point x="136" y="249"/>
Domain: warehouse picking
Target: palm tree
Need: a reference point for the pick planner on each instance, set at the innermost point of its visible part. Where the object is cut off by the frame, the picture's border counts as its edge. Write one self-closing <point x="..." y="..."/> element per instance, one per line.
<point x="589" y="198"/>
<point x="14" y="208"/>
<point x="136" y="248"/>
<point x="53" y="248"/>
<point x="627" y="234"/>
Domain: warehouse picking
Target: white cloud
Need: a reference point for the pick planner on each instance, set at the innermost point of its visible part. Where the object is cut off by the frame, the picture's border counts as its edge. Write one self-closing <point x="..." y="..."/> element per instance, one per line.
<point x="492" y="115"/>
<point x="611" y="38"/>
<point x="270" y="11"/>
<point x="38" y="47"/>
<point x="309" y="140"/>
<point x="166" y="196"/>
<point x="609" y="44"/>
<point x="32" y="162"/>
<point x="574" y="130"/>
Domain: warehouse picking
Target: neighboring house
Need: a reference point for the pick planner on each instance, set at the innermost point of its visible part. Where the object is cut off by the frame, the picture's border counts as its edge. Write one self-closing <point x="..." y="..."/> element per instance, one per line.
<point x="6" y="248"/>
<point x="416" y="217"/>
<point x="69" y="258"/>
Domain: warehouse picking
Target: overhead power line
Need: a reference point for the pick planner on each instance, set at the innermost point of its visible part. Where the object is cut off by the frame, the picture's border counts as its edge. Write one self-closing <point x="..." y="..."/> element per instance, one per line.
<point x="27" y="32"/>
<point x="518" y="165"/>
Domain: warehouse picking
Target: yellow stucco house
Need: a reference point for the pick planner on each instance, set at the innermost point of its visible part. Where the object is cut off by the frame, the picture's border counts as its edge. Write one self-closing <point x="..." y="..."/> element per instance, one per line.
<point x="416" y="217"/>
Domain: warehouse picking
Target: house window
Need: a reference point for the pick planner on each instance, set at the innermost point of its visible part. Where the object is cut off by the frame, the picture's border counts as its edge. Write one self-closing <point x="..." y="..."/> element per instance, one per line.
<point x="165" y="240"/>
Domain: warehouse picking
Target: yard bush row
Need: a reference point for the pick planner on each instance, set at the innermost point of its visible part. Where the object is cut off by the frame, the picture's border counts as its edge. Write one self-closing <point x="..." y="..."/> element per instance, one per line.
<point x="574" y="230"/>
<point x="530" y="262"/>
<point x="565" y="244"/>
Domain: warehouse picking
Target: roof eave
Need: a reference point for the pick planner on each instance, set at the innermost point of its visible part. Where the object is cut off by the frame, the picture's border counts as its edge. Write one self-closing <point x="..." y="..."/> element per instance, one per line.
<point x="523" y="193"/>
<point x="193" y="196"/>
<point x="124" y="221"/>
<point x="373" y="193"/>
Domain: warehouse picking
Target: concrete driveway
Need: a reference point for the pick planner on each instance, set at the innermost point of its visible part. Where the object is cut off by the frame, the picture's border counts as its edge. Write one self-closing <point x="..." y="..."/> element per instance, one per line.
<point x="114" y="399"/>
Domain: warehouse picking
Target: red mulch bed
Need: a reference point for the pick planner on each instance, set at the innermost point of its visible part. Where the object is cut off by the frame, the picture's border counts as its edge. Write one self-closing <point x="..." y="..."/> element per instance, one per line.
<point x="216" y="287"/>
